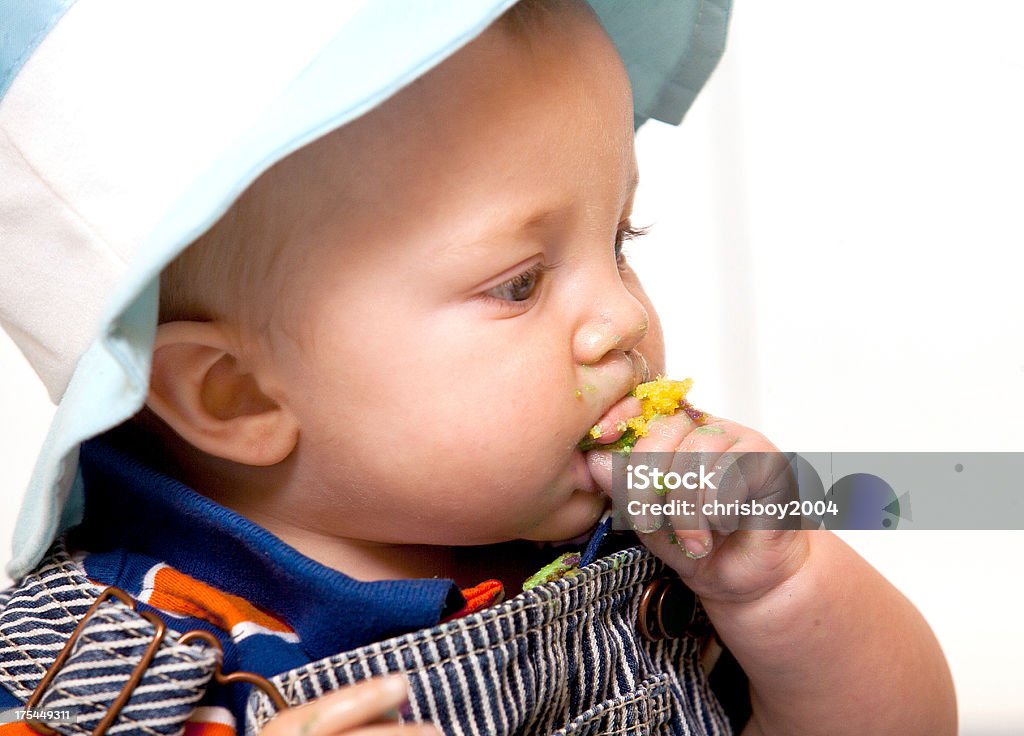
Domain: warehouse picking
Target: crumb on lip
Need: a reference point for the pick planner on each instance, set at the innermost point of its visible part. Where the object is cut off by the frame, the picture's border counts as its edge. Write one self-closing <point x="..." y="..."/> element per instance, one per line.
<point x="660" y="397"/>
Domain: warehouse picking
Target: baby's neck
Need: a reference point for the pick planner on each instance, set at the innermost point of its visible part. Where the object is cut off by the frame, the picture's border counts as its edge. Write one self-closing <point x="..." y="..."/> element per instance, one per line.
<point x="364" y="560"/>
<point x="509" y="562"/>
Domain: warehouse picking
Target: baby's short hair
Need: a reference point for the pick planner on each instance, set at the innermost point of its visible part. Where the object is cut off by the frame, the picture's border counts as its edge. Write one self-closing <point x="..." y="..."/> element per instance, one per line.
<point x="213" y="277"/>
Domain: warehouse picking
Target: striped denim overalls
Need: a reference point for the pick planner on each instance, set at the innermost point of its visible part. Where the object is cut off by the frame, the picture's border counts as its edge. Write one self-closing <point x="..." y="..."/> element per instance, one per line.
<point x="565" y="657"/>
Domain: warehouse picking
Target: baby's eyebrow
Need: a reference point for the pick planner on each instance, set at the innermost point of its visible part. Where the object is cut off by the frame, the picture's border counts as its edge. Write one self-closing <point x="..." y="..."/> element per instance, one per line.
<point x="480" y="239"/>
<point x="487" y="231"/>
<point x="540" y="219"/>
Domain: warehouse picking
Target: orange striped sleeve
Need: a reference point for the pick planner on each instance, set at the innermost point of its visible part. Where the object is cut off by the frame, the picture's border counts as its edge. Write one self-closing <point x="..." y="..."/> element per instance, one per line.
<point x="211" y="721"/>
<point x="177" y="593"/>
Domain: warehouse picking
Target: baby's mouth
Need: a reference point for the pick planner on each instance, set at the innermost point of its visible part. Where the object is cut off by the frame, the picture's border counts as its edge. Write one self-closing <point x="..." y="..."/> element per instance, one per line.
<point x="612" y="424"/>
<point x="626" y="420"/>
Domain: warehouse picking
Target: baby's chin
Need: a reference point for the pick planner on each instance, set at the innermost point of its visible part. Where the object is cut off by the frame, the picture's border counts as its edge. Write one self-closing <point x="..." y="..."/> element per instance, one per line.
<point x="572" y="523"/>
<point x="580" y="539"/>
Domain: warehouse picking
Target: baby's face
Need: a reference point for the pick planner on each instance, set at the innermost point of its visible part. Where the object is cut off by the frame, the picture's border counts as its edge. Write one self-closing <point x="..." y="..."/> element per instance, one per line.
<point x="456" y="317"/>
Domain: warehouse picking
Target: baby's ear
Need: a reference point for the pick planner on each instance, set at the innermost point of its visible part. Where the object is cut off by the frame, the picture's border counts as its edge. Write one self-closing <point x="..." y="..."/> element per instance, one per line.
<point x="202" y="390"/>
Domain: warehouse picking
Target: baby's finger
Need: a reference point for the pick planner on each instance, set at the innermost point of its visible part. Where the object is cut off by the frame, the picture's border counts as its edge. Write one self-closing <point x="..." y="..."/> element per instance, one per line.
<point x="645" y="492"/>
<point x="612" y="425"/>
<point x="390" y="729"/>
<point x="633" y="501"/>
<point x="689" y="526"/>
<point x="767" y="481"/>
<point x="639" y="487"/>
<point x="599" y="463"/>
<point x="697" y="461"/>
<point x="665" y="433"/>
<point x="345" y="709"/>
<point x="394" y="729"/>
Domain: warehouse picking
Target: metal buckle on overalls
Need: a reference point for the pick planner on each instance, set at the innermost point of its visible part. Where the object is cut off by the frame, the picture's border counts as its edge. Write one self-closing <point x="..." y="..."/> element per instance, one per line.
<point x="250" y="678"/>
<point x="140" y="668"/>
<point x="133" y="681"/>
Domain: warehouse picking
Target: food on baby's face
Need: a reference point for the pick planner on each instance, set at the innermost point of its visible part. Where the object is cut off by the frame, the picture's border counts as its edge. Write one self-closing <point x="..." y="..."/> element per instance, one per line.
<point x="661" y="397"/>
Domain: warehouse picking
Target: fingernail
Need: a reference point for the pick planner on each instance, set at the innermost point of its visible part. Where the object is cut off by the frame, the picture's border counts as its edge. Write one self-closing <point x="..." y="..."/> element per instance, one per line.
<point x="696" y="549"/>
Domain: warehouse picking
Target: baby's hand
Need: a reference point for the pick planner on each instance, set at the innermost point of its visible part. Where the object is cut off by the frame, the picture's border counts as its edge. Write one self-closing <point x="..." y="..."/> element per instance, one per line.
<point x="363" y="708"/>
<point x="726" y="558"/>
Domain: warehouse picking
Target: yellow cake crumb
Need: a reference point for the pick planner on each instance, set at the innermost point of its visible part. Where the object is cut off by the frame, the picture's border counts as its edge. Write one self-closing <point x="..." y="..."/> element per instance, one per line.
<point x="660" y="397"/>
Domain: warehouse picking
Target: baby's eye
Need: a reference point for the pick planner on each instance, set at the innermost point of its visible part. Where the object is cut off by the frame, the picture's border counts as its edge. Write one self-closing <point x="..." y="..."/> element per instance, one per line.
<point x="519" y="288"/>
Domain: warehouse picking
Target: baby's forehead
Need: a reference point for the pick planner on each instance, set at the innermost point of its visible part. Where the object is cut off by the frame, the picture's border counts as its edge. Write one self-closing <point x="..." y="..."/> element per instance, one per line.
<point x="455" y="123"/>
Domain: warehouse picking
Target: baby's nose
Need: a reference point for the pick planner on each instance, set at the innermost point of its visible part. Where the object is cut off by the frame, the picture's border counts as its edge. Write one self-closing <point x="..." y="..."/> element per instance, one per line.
<point x="619" y="329"/>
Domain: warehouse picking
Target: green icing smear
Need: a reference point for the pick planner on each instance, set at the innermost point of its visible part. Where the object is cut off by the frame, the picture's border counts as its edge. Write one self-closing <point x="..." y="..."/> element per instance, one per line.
<point x="623" y="444"/>
<point x="564" y="566"/>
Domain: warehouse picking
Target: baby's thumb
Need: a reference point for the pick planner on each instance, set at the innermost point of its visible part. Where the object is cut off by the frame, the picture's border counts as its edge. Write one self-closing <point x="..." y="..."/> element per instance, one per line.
<point x="350" y="708"/>
<point x="599" y="462"/>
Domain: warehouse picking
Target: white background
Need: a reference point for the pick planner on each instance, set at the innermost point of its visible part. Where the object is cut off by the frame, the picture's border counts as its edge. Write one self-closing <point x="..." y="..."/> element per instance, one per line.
<point x="836" y="254"/>
<point x="841" y="213"/>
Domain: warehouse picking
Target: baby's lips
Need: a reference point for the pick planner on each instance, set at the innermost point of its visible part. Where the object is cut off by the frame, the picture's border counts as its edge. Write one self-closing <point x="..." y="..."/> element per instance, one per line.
<point x="612" y="424"/>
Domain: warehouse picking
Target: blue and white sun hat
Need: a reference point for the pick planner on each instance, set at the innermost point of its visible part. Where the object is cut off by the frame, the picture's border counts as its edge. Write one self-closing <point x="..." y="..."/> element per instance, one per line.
<point x="128" y="128"/>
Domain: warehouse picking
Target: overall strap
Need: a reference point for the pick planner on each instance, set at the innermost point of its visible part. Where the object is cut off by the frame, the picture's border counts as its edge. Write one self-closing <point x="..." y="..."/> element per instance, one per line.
<point x="75" y="649"/>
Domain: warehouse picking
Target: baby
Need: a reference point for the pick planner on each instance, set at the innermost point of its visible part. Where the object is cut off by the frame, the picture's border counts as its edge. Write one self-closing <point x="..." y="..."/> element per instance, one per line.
<point x="377" y="356"/>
